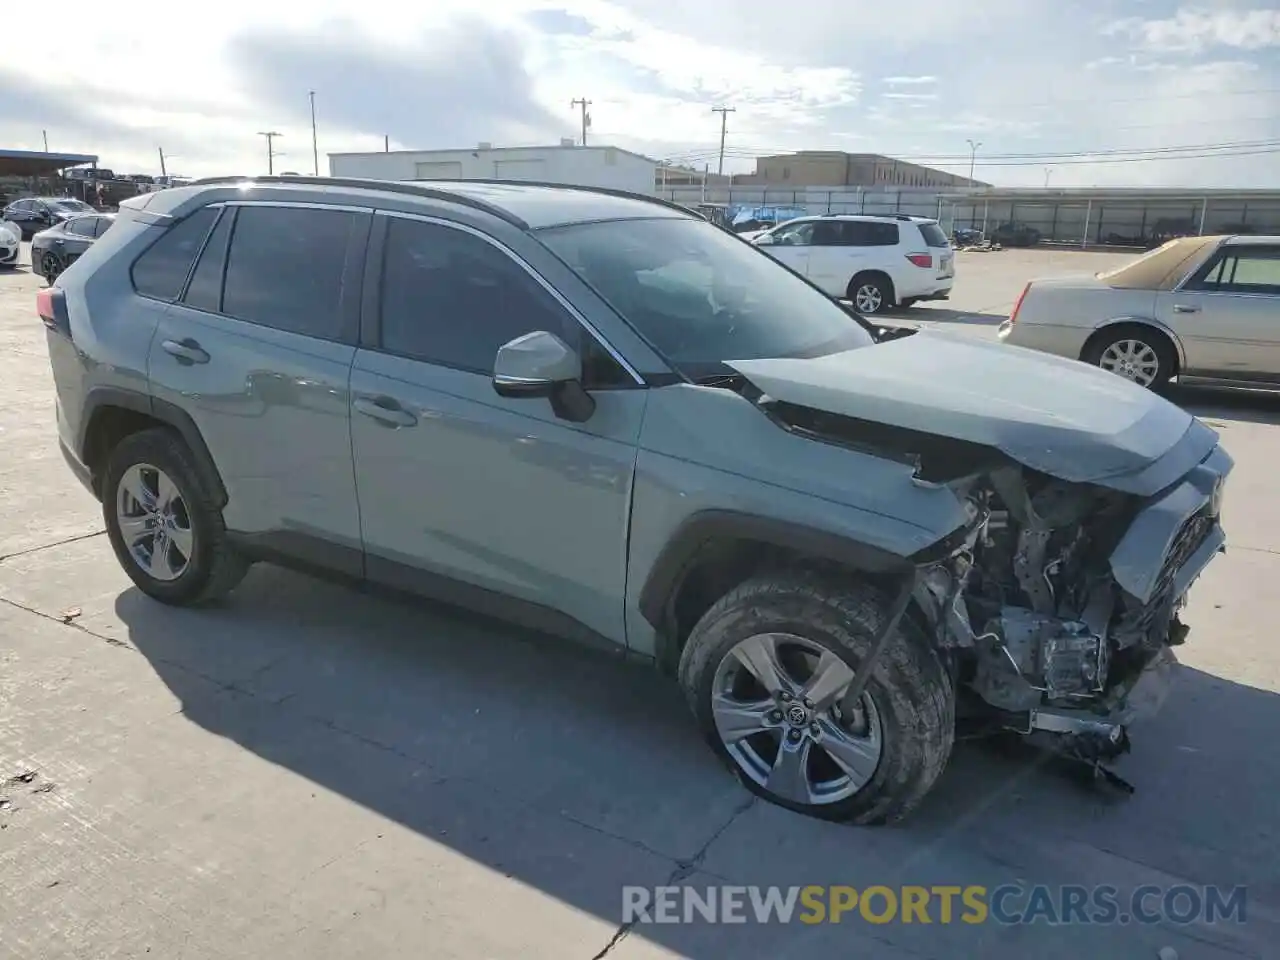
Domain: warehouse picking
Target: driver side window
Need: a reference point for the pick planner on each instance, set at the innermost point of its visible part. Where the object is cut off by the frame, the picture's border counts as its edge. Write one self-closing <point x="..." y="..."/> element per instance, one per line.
<point x="451" y="298"/>
<point x="795" y="235"/>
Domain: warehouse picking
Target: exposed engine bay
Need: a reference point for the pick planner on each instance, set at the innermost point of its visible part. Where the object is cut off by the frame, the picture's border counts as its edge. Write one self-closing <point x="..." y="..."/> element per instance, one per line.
<point x="1044" y="633"/>
<point x="1057" y="602"/>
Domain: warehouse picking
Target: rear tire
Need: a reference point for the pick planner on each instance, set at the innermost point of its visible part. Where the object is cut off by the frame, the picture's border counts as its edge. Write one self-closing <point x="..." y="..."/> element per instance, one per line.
<point x="166" y="531"/>
<point x="872" y="294"/>
<point x="51" y="266"/>
<point x="869" y="762"/>
<point x="1135" y="351"/>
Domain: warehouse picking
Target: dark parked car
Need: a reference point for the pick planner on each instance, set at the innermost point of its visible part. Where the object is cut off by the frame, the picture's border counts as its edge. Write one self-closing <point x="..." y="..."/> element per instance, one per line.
<point x="38" y="213"/>
<point x="1015" y="235"/>
<point x="55" y="249"/>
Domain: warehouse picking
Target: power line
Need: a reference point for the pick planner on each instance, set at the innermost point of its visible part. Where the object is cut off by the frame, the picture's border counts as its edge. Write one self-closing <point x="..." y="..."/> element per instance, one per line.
<point x="1207" y="149"/>
<point x="1096" y="101"/>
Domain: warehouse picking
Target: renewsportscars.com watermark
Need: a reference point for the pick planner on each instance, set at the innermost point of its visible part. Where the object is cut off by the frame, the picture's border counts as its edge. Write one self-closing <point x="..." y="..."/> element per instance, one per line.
<point x="1009" y="904"/>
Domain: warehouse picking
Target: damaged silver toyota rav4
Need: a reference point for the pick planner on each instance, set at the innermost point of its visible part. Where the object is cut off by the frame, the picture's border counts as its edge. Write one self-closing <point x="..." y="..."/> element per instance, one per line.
<point x="597" y="415"/>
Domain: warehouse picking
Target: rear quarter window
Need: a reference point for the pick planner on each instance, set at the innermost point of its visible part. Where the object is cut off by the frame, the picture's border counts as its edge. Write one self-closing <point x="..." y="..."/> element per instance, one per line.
<point x="933" y="235"/>
<point x="162" y="269"/>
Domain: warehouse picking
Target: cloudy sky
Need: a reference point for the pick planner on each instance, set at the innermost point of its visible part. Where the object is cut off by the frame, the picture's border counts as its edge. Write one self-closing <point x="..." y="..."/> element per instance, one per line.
<point x="1173" y="94"/>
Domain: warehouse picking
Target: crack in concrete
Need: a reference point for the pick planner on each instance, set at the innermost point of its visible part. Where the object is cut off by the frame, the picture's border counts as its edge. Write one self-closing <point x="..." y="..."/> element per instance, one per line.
<point x="683" y="869"/>
<point x="50" y="546"/>
<point x="61" y="621"/>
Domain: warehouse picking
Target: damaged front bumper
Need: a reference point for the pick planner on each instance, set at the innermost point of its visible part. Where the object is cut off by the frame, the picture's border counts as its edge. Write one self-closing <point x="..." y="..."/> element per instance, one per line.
<point x="1073" y="668"/>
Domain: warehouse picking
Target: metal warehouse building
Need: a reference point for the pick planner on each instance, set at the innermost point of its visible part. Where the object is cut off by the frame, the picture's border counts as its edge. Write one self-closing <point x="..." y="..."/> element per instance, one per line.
<point x="1115" y="217"/>
<point x="607" y="167"/>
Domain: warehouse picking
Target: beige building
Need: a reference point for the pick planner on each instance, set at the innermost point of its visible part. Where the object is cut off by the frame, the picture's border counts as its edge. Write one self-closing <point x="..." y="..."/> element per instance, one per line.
<point x="834" y="168"/>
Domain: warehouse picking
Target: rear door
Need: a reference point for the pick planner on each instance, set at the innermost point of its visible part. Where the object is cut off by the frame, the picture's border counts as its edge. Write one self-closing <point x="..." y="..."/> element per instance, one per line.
<point x="1228" y="314"/>
<point x="258" y="350"/>
<point x="78" y="234"/>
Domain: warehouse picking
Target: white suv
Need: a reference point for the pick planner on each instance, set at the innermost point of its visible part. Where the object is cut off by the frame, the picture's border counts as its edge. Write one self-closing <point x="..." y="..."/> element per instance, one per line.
<point x="877" y="262"/>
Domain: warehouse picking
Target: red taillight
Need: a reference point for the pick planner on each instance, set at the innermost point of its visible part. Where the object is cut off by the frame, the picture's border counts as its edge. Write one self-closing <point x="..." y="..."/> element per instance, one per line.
<point x="51" y="305"/>
<point x="44" y="305"/>
<point x="924" y="260"/>
<point x="1017" y="304"/>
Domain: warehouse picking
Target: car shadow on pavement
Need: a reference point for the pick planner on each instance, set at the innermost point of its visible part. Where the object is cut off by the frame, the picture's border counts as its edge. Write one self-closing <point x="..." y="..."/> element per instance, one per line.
<point x="1252" y="406"/>
<point x="574" y="774"/>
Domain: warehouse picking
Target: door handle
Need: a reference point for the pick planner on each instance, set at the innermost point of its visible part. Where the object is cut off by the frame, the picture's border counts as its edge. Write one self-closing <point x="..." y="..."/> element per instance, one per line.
<point x="1185" y="308"/>
<point x="386" y="410"/>
<point x="186" y="351"/>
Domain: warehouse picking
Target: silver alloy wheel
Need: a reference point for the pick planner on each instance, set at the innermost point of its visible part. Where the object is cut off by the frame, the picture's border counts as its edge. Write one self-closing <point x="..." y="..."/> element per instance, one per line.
<point x="52" y="267"/>
<point x="780" y="706"/>
<point x="154" y="523"/>
<point x="868" y="298"/>
<point x="1133" y="360"/>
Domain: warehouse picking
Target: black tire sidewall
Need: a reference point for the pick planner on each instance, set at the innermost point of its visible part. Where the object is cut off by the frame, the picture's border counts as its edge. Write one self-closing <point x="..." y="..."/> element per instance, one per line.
<point x="907" y="755"/>
<point x="864" y="281"/>
<point x="164" y="450"/>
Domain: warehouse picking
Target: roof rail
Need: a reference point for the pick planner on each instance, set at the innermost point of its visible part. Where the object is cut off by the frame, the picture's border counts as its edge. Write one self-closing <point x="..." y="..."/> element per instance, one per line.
<point x="409" y="188"/>
<point x="609" y="191"/>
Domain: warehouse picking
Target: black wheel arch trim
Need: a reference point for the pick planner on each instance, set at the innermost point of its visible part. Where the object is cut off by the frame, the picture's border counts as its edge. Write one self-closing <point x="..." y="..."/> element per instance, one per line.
<point x="678" y="558"/>
<point x="163" y="411"/>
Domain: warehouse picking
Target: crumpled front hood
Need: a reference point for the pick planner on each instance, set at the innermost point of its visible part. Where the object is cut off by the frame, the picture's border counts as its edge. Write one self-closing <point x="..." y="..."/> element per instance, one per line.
<point x="1058" y="416"/>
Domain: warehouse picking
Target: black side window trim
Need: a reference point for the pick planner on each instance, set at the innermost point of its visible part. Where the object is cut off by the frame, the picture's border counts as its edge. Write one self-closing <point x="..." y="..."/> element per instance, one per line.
<point x="182" y="291"/>
<point x="349" y="304"/>
<point x="371" y="306"/>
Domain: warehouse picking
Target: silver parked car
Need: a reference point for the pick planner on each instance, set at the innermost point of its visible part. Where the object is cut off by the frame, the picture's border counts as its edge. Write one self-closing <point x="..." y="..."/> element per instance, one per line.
<point x="599" y="415"/>
<point x="1203" y="309"/>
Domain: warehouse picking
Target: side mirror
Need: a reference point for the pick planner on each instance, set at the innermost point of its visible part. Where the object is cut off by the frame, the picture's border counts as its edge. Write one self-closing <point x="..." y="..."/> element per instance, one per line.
<point x="540" y="364"/>
<point x="764" y="240"/>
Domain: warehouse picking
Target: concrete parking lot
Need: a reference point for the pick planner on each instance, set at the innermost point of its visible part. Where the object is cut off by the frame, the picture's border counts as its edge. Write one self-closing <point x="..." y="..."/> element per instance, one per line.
<point x="310" y="772"/>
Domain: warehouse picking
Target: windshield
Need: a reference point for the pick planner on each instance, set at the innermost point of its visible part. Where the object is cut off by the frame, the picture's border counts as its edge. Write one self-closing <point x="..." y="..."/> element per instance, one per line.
<point x="702" y="296"/>
<point x="75" y="205"/>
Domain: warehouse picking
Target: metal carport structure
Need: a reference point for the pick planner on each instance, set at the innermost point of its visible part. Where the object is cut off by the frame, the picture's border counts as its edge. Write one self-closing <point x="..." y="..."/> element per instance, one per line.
<point x="33" y="163"/>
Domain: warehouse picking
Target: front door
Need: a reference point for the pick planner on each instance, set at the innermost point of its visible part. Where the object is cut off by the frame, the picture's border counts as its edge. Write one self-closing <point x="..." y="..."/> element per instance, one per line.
<point x="1228" y="314"/>
<point x="474" y="497"/>
<point x="258" y="352"/>
<point x="790" y="243"/>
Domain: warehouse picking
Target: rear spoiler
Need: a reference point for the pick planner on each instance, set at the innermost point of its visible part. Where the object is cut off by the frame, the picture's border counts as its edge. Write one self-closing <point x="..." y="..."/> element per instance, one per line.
<point x="135" y="208"/>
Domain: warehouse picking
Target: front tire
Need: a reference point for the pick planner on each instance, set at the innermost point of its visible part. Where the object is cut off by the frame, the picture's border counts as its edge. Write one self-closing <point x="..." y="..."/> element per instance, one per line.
<point x="765" y="672"/>
<point x="165" y="529"/>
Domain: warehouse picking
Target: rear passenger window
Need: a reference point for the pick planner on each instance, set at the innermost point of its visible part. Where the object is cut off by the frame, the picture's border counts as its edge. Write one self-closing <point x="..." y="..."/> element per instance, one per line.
<point x="883" y="234"/>
<point x="285" y="267"/>
<point x="204" y="292"/>
<point x="162" y="269"/>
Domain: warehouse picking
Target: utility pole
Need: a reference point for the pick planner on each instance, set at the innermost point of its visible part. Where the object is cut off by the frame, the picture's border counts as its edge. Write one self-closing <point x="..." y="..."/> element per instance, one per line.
<point x="45" y="134"/>
<point x="586" y="117"/>
<point x="271" y="151"/>
<point x="386" y="143"/>
<point x="973" y="157"/>
<point x="315" y="150"/>
<point x="724" y="125"/>
<point x="163" y="171"/>
<point x="1048" y="172"/>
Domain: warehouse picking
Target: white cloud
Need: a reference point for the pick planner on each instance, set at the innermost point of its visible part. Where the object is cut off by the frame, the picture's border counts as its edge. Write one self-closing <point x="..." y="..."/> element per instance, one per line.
<point x="1194" y="29"/>
<point x="1023" y="76"/>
